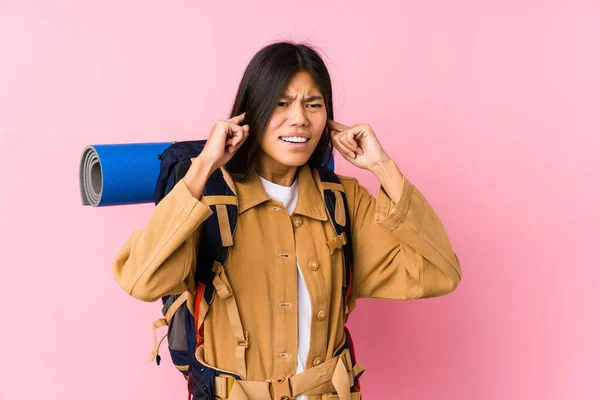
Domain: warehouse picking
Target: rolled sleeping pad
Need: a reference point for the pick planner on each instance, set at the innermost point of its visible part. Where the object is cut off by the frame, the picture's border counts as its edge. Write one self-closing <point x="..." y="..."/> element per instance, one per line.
<point x="118" y="174"/>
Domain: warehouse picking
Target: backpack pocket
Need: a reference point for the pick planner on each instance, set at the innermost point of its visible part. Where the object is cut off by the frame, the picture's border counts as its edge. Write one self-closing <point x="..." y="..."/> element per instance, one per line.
<point x="199" y="387"/>
<point x="175" y="309"/>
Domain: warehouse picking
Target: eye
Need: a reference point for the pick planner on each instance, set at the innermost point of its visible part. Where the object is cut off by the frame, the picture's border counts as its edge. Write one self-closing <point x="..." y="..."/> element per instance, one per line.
<point x="315" y="105"/>
<point x="281" y="103"/>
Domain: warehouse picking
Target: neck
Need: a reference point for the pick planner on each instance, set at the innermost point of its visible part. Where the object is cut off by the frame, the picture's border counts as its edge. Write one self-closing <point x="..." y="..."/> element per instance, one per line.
<point x="279" y="174"/>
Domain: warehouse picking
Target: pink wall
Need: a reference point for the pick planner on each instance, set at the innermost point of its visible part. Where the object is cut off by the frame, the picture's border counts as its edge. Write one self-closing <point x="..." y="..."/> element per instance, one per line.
<point x="491" y="110"/>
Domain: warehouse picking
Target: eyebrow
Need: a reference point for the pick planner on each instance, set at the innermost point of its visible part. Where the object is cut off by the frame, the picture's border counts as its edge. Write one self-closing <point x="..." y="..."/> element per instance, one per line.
<point x="306" y="100"/>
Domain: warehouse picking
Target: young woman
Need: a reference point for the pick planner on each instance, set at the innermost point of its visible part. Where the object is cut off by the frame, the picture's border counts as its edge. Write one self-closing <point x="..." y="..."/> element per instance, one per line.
<point x="285" y="278"/>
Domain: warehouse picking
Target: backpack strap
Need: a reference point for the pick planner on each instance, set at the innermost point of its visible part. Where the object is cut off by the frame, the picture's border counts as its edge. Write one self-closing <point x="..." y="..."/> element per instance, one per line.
<point x="224" y="291"/>
<point x="183" y="298"/>
<point x="337" y="207"/>
<point x="217" y="231"/>
<point x="216" y="240"/>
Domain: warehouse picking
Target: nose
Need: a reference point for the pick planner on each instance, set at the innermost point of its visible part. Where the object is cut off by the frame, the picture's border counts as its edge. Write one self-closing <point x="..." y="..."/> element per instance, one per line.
<point x="297" y="115"/>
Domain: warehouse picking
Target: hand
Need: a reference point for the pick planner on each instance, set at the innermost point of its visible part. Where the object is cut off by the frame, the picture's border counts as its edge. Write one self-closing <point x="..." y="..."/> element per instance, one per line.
<point x="226" y="137"/>
<point x="357" y="144"/>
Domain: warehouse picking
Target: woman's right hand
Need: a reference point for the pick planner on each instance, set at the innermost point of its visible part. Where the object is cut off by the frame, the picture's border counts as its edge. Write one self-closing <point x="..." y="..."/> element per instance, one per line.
<point x="226" y="137"/>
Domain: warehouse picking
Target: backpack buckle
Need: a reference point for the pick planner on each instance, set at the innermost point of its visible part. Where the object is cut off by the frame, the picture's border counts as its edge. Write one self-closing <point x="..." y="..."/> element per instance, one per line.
<point x="337" y="242"/>
<point x="282" y="389"/>
<point x="223" y="385"/>
<point x="244" y="343"/>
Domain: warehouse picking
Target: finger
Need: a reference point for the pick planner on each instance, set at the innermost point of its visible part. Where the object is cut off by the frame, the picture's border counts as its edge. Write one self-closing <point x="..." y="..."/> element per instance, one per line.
<point x="239" y="135"/>
<point x="232" y="144"/>
<point x="336" y="125"/>
<point x="351" y="139"/>
<point x="353" y="144"/>
<point x="233" y="130"/>
<point x="235" y="143"/>
<point x="238" y="119"/>
<point x="359" y="137"/>
<point x="347" y="139"/>
<point x="346" y="152"/>
<point x="343" y="148"/>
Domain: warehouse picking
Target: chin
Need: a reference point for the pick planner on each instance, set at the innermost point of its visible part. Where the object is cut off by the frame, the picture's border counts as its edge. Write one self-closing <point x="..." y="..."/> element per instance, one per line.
<point x="289" y="158"/>
<point x="292" y="161"/>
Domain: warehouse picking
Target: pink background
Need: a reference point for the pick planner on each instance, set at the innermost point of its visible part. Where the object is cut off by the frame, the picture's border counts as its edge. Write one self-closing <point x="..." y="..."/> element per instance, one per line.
<point x="492" y="110"/>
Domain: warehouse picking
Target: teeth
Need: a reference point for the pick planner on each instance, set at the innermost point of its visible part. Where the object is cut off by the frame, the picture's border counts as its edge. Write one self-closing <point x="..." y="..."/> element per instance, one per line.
<point x="294" y="139"/>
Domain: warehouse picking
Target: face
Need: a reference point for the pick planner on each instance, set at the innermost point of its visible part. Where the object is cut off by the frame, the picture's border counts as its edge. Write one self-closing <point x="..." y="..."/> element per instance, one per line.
<point x="296" y="126"/>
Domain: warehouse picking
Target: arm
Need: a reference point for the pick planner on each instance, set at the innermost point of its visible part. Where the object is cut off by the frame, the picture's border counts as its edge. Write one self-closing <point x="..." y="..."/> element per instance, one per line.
<point x="401" y="249"/>
<point x="161" y="258"/>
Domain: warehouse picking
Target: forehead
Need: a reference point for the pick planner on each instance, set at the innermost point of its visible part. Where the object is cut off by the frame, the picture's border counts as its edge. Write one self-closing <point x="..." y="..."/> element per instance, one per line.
<point x="302" y="82"/>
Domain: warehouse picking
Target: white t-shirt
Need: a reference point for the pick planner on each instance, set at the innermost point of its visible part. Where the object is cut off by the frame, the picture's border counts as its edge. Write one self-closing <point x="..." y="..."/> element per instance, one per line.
<point x="289" y="197"/>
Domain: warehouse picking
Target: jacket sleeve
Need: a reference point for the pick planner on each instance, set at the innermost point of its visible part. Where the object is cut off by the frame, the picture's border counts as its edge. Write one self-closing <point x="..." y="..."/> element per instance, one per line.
<point x="161" y="258"/>
<point x="401" y="251"/>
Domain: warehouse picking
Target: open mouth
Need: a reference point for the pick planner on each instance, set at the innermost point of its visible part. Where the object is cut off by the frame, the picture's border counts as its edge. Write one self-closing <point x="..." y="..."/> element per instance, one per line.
<point x="294" y="139"/>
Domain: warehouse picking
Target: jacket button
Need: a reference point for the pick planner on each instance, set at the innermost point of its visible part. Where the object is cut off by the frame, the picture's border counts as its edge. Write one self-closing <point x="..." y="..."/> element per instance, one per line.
<point x="321" y="315"/>
<point x="313" y="265"/>
<point x="297" y="221"/>
<point x="317" y="361"/>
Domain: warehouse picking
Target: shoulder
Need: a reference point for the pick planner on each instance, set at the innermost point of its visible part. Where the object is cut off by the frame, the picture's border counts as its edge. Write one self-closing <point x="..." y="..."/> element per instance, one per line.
<point x="356" y="193"/>
<point x="348" y="181"/>
<point x="325" y="174"/>
<point x="352" y="186"/>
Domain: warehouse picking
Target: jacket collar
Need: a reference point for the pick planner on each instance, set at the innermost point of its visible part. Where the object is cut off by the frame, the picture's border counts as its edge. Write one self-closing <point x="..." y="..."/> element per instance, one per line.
<point x="310" y="200"/>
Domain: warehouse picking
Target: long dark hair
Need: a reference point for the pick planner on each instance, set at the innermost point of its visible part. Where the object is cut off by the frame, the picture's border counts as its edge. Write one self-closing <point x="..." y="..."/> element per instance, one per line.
<point x="267" y="74"/>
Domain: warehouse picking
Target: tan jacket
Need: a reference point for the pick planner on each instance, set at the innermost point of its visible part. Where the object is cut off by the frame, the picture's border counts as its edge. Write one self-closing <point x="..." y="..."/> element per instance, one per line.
<point x="401" y="251"/>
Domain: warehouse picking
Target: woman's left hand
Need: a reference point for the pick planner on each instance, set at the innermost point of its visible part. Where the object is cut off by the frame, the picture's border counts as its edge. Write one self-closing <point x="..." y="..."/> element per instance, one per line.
<point x="357" y="144"/>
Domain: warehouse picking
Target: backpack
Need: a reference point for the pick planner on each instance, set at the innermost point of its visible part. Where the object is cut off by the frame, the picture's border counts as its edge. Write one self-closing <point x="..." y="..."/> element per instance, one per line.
<point x="185" y="331"/>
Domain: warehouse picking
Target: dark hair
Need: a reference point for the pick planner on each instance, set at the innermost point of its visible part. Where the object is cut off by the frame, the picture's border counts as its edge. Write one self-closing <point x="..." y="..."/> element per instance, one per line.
<point x="267" y="74"/>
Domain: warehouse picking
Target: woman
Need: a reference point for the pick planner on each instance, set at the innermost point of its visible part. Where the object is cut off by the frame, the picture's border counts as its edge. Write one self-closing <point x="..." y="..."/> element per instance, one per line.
<point x="286" y="282"/>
